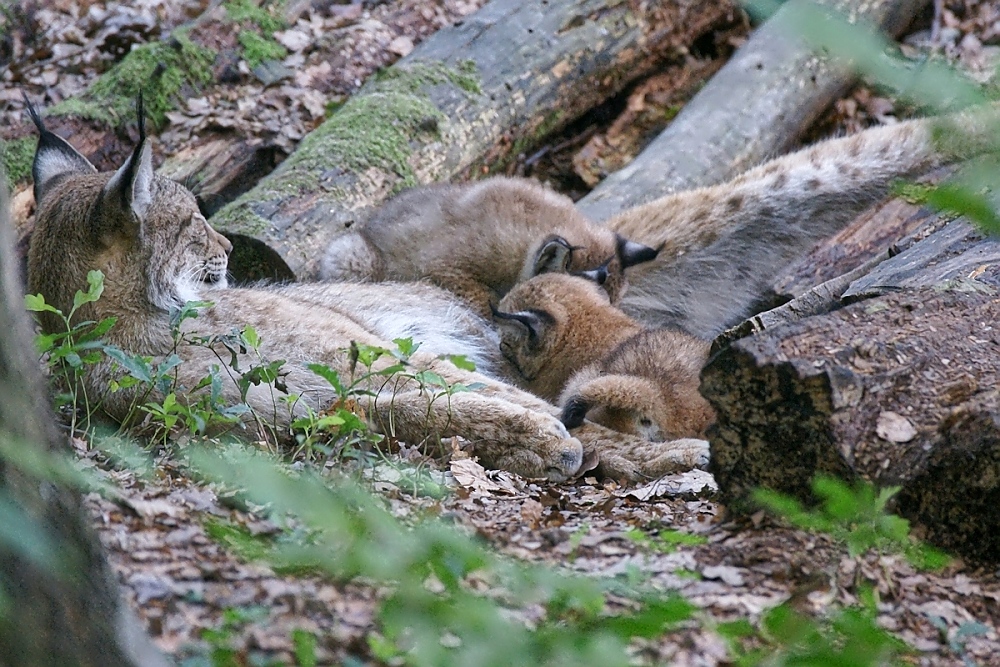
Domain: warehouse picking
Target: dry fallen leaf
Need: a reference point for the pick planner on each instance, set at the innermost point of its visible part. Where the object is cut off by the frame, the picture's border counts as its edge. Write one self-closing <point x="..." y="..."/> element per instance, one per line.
<point x="894" y="427"/>
<point x="697" y="483"/>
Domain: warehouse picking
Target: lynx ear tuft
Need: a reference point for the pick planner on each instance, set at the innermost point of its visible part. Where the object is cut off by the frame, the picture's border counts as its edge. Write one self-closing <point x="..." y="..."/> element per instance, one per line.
<point x="598" y="275"/>
<point x="54" y="157"/>
<point x="631" y="253"/>
<point x="131" y="187"/>
<point x="574" y="412"/>
<point x="553" y="257"/>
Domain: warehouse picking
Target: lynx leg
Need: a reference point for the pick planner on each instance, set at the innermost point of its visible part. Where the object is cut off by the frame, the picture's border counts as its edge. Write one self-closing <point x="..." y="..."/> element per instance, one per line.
<point x="628" y="457"/>
<point x="503" y="434"/>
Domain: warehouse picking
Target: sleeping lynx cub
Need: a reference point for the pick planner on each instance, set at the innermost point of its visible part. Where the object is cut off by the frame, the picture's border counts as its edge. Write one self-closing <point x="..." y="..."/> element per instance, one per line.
<point x="479" y="239"/>
<point x="157" y="252"/>
<point x="568" y="342"/>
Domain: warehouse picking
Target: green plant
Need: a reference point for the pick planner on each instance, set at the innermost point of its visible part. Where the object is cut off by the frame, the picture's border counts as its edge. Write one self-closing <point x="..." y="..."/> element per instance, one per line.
<point x="220" y="639"/>
<point x="856" y="516"/>
<point x="666" y="541"/>
<point x="785" y="638"/>
<point x="429" y="616"/>
<point x="68" y="353"/>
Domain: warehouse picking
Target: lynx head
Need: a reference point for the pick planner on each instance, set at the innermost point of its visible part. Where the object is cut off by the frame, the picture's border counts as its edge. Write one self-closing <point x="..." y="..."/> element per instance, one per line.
<point x="144" y="232"/>
<point x="624" y="403"/>
<point x="552" y="325"/>
<point x="592" y="252"/>
<point x="646" y="386"/>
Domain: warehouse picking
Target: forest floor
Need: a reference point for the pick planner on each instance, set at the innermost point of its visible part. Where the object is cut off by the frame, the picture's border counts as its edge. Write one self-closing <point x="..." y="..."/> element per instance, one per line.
<point x="182" y="581"/>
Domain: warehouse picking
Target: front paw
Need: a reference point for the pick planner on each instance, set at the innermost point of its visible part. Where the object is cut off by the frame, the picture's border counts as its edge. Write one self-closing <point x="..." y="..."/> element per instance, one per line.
<point x="691" y="452"/>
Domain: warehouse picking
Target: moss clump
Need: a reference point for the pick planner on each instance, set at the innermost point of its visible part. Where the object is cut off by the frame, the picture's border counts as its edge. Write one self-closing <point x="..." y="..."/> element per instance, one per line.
<point x="257" y="49"/>
<point x="158" y="70"/>
<point x="267" y="17"/>
<point x="17" y="156"/>
<point x="374" y="128"/>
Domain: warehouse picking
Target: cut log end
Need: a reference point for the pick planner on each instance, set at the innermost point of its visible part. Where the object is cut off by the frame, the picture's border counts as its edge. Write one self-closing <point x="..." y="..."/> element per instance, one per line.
<point x="898" y="391"/>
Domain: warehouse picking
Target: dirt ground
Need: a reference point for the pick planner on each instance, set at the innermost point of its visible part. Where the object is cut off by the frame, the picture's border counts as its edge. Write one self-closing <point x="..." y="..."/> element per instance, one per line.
<point x="183" y="582"/>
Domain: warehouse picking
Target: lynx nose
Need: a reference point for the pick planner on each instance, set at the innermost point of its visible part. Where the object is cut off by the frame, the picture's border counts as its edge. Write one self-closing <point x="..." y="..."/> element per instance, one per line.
<point x="570" y="460"/>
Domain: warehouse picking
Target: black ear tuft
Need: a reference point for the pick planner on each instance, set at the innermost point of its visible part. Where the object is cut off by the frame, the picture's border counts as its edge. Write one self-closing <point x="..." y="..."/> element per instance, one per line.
<point x="598" y="275"/>
<point x="574" y="412"/>
<point x="130" y="188"/>
<point x="554" y="256"/>
<point x="631" y="253"/>
<point x="54" y="157"/>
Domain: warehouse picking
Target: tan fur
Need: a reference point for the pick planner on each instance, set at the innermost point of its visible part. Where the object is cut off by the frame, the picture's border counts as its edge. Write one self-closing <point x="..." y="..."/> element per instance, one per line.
<point x="567" y="341"/>
<point x="477" y="240"/>
<point x="647" y="386"/>
<point x="574" y="325"/>
<point x="721" y="246"/>
<point x="144" y="232"/>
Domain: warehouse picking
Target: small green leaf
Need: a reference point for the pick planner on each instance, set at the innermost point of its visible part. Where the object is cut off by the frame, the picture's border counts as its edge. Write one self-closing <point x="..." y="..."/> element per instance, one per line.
<point x="36" y="304"/>
<point x="460" y="361"/>
<point x="304" y="644"/>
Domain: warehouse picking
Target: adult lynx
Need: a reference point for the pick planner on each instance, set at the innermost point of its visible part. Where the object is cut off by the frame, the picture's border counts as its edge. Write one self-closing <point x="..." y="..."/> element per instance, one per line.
<point x="157" y="252"/>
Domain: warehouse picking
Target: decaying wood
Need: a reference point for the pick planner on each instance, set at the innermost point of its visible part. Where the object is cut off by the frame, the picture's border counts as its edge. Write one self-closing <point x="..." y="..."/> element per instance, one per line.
<point x="898" y="390"/>
<point x="511" y="71"/>
<point x="782" y="86"/>
<point x="221" y="169"/>
<point x="818" y="300"/>
<point x="955" y="255"/>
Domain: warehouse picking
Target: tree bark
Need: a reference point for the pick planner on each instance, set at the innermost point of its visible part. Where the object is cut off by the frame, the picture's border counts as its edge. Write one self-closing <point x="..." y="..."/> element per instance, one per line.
<point x="898" y="390"/>
<point x="782" y="86"/>
<point x="68" y="613"/>
<point x="509" y="73"/>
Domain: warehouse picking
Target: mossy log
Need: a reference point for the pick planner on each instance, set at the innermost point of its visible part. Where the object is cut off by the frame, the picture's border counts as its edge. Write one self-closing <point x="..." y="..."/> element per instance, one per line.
<point x="782" y="86"/>
<point x="899" y="390"/>
<point x="511" y="72"/>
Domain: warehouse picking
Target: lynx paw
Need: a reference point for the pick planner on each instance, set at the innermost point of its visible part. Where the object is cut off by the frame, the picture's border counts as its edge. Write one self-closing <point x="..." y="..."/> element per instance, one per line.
<point x="690" y="452"/>
<point x="557" y="465"/>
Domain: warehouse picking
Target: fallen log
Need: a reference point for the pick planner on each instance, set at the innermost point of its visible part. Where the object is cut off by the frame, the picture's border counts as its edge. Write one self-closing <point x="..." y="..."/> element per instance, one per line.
<point x="898" y="390"/>
<point x="512" y="71"/>
<point x="782" y="86"/>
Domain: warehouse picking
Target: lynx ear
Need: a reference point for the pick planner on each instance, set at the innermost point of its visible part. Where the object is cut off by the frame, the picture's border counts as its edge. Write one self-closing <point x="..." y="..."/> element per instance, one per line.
<point x="530" y="324"/>
<point x="553" y="257"/>
<point x="131" y="187"/>
<point x="631" y="253"/>
<point x="598" y="275"/>
<point x="54" y="157"/>
<point x="575" y="411"/>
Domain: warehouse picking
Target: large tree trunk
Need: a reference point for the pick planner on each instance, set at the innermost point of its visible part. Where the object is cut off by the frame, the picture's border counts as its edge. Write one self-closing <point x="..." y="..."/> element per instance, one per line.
<point x="898" y="390"/>
<point x="509" y="73"/>
<point x="68" y="613"/>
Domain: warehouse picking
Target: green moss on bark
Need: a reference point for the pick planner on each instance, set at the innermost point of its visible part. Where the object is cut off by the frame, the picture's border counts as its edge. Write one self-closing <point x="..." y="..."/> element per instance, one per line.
<point x="17" y="156"/>
<point x="376" y="128"/>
